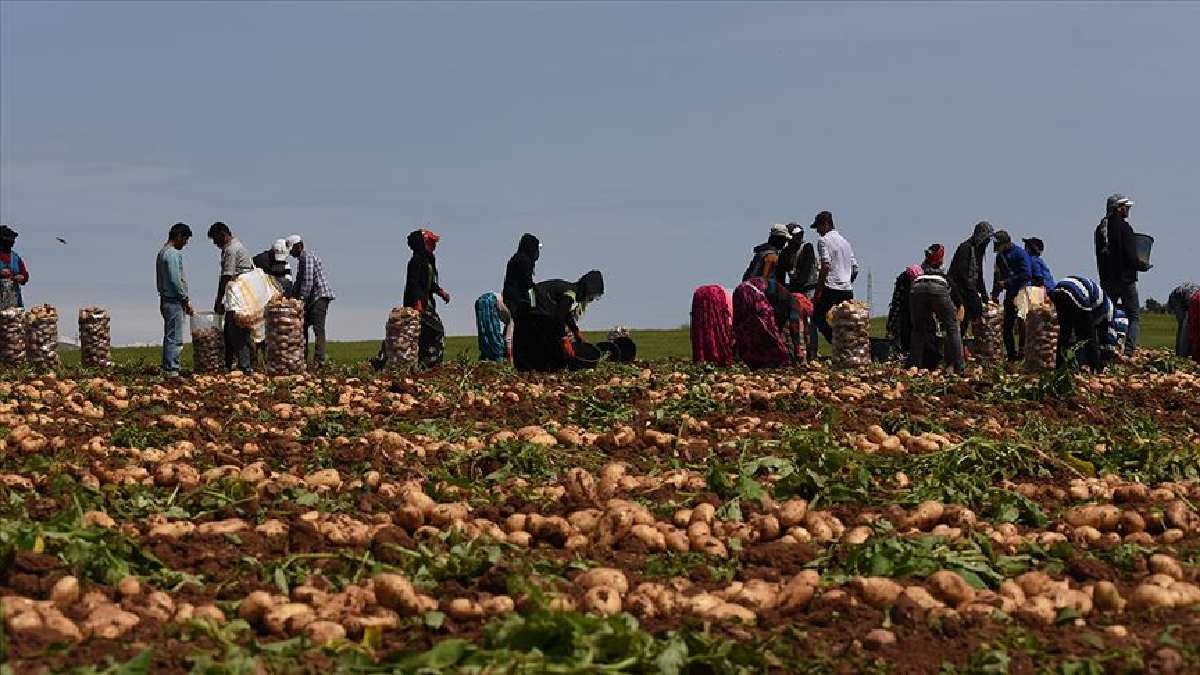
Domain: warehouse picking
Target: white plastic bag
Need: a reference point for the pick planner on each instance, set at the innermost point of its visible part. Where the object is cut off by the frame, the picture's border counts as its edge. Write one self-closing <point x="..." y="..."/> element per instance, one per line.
<point x="247" y="296"/>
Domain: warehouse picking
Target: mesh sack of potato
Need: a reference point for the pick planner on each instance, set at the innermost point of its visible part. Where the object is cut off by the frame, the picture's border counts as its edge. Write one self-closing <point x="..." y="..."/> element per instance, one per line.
<point x="12" y="337"/>
<point x="1041" y="338"/>
<point x="208" y="343"/>
<point x="95" y="338"/>
<point x="285" y="336"/>
<point x="41" y="338"/>
<point x="988" y="330"/>
<point x="401" y="334"/>
<point x="851" y="321"/>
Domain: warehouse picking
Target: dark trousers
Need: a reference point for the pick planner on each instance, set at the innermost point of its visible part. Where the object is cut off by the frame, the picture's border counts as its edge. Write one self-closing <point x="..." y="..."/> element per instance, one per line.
<point x="239" y="345"/>
<point x="315" y="313"/>
<point x="820" y="323"/>
<point x="972" y="309"/>
<point x="928" y="310"/>
<point x="1182" y="348"/>
<point x="1014" y="336"/>
<point x="1076" y="327"/>
<point x="1125" y="297"/>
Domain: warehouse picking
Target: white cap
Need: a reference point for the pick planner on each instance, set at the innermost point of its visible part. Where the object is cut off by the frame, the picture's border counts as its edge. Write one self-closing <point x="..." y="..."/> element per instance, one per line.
<point x="279" y="250"/>
<point x="780" y="230"/>
<point x="1124" y="201"/>
<point x="292" y="240"/>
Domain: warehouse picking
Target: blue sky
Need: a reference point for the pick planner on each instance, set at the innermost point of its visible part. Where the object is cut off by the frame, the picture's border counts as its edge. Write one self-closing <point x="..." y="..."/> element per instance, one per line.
<point x="656" y="142"/>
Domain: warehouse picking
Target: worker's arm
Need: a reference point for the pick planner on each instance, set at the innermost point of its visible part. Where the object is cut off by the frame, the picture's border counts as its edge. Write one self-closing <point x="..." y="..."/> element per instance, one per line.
<point x="1129" y="247"/>
<point x="305" y="279"/>
<point x="219" y="305"/>
<point x="22" y="277"/>
<point x="823" y="257"/>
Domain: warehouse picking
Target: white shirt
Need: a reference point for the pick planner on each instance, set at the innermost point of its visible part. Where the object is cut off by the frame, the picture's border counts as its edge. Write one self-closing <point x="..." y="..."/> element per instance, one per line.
<point x="834" y="251"/>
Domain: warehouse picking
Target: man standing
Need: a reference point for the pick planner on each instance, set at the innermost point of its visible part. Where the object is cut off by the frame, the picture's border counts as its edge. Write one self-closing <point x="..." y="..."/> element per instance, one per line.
<point x="173" y="301"/>
<point x="235" y="261"/>
<point x="1116" y="256"/>
<point x="966" y="274"/>
<point x="312" y="287"/>
<point x="1013" y="273"/>
<point x="835" y="281"/>
<point x="13" y="274"/>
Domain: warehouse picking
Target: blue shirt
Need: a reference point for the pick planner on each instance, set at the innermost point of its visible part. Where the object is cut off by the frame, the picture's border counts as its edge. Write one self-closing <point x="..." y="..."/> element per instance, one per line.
<point x="1039" y="268"/>
<point x="169" y="272"/>
<point x="1013" y="269"/>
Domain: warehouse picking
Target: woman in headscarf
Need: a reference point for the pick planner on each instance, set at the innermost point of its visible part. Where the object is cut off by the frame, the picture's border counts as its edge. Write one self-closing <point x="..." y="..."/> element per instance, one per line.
<point x="711" y="326"/>
<point x="419" y="290"/>
<point x="493" y="325"/>
<point x="756" y="337"/>
<point x="13" y="274"/>
<point x="551" y="326"/>
<point x="518" y="296"/>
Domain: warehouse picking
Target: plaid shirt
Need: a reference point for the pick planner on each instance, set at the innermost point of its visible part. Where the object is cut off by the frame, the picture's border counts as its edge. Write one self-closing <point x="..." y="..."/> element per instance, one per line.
<point x="311" y="282"/>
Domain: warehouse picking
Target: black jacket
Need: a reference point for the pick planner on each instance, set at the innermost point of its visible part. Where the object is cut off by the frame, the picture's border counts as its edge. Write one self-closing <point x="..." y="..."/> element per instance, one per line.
<point x="966" y="267"/>
<point x="1116" y="251"/>
<point x="422" y="280"/>
<point x="518" y="277"/>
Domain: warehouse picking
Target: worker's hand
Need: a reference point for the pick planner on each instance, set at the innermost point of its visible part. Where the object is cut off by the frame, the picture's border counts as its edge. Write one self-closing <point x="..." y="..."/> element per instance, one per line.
<point x="5" y="273"/>
<point x="578" y="336"/>
<point x="568" y="347"/>
<point x="444" y="294"/>
<point x="187" y="308"/>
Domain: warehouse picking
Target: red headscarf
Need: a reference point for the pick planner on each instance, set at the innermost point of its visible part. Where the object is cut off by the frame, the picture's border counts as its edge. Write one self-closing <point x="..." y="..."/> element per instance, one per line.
<point x="934" y="255"/>
<point x="431" y="240"/>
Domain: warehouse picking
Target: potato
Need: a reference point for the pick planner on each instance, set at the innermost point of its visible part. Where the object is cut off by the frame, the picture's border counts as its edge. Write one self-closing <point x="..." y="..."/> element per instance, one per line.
<point x="914" y="602"/>
<point x="798" y="592"/>
<point x="65" y="592"/>
<point x="602" y="600"/>
<point x="396" y="592"/>
<point x="586" y="521"/>
<point x="1034" y="583"/>
<point x="1150" y="596"/>
<point x="876" y="434"/>
<point x="210" y="613"/>
<point x="464" y="609"/>
<point x="1103" y="517"/>
<point x="324" y="632"/>
<point x="951" y="588"/>
<point x="878" y="592"/>
<point x="792" y="512"/>
<point x="255" y="606"/>
<point x="1165" y="564"/>
<point x="856" y="536"/>
<point x="289" y="618"/>
<point x="710" y="546"/>
<point x="109" y="622"/>
<point x="766" y="526"/>
<point x="651" y="538"/>
<point x="703" y="513"/>
<point x="925" y="516"/>
<point x="1039" y="611"/>
<point x="603" y="576"/>
<point x="497" y="604"/>
<point x="129" y="586"/>
<point x="1107" y="598"/>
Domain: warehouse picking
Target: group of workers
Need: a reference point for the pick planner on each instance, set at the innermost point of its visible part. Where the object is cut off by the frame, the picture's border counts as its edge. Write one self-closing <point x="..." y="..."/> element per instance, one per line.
<point x="790" y="283"/>
<point x="310" y="285"/>
<point x="776" y="316"/>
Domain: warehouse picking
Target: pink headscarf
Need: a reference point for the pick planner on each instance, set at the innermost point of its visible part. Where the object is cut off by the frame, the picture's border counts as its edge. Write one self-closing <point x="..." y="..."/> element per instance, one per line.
<point x="913" y="271"/>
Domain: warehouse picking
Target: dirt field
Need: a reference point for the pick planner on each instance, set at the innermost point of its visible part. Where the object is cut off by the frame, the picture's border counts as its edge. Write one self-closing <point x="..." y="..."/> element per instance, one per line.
<point x="661" y="518"/>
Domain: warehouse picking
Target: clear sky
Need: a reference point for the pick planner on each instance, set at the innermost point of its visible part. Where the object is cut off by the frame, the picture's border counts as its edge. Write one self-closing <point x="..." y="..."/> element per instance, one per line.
<point x="656" y="142"/>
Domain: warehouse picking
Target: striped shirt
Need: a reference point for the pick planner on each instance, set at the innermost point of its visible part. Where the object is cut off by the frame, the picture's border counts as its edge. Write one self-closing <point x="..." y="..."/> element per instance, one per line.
<point x="311" y="282"/>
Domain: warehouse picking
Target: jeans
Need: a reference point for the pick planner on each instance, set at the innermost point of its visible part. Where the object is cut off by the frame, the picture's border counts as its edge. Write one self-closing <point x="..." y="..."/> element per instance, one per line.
<point x="927" y="310"/>
<point x="172" y="344"/>
<point x="820" y="323"/>
<point x="239" y="345"/>
<point x="314" y="316"/>
<point x="1125" y="298"/>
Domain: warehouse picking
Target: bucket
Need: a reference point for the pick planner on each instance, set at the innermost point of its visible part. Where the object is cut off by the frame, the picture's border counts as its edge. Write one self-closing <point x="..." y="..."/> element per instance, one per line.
<point x="586" y="356"/>
<point x="1144" y="243"/>
<point x="202" y="321"/>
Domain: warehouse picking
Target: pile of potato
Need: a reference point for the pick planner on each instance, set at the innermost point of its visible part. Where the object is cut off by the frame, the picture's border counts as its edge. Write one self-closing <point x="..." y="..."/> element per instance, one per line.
<point x="401" y="333"/>
<point x="1041" y="338"/>
<point x="285" y="336"/>
<point x="851" y="322"/>
<point x="208" y="350"/>
<point x="12" y="337"/>
<point x="41" y="338"/>
<point x="95" y="338"/>
<point x="988" y="330"/>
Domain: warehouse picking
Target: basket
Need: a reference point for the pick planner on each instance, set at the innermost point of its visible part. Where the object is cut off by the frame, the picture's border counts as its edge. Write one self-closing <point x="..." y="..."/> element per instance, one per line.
<point x="1144" y="244"/>
<point x="586" y="356"/>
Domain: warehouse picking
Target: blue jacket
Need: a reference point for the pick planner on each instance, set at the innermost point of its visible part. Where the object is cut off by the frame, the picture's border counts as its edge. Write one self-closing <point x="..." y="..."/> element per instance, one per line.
<point x="1013" y="270"/>
<point x="1039" y="268"/>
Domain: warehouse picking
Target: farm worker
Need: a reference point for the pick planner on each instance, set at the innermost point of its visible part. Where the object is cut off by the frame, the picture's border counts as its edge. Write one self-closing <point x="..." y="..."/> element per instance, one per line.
<point x="1039" y="271"/>
<point x="1117" y="260"/>
<point x="312" y="288"/>
<point x="520" y="299"/>
<point x="793" y="308"/>
<point x="757" y="341"/>
<point x="1012" y="275"/>
<point x="1194" y="326"/>
<point x="13" y="274"/>
<point x="493" y="325"/>
<point x="711" y="326"/>
<point x="798" y="263"/>
<point x="274" y="261"/>
<point x="766" y="255"/>
<point x="966" y="274"/>
<point x="835" y="281"/>
<point x="1177" y="303"/>
<point x="931" y="306"/>
<point x="899" y="324"/>
<point x="551" y="327"/>
<point x="235" y="260"/>
<point x="419" y="288"/>
<point x="1086" y="321"/>
<point x="173" y="299"/>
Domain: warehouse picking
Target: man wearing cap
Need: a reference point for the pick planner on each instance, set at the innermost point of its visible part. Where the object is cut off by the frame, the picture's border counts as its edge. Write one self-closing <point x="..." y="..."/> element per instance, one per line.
<point x="13" y="274"/>
<point x="173" y="300"/>
<point x="312" y="287"/>
<point x="967" y="286"/>
<point x="766" y="256"/>
<point x="274" y="261"/>
<point x="1012" y="276"/>
<point x="835" y="281"/>
<point x="1117" y="260"/>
